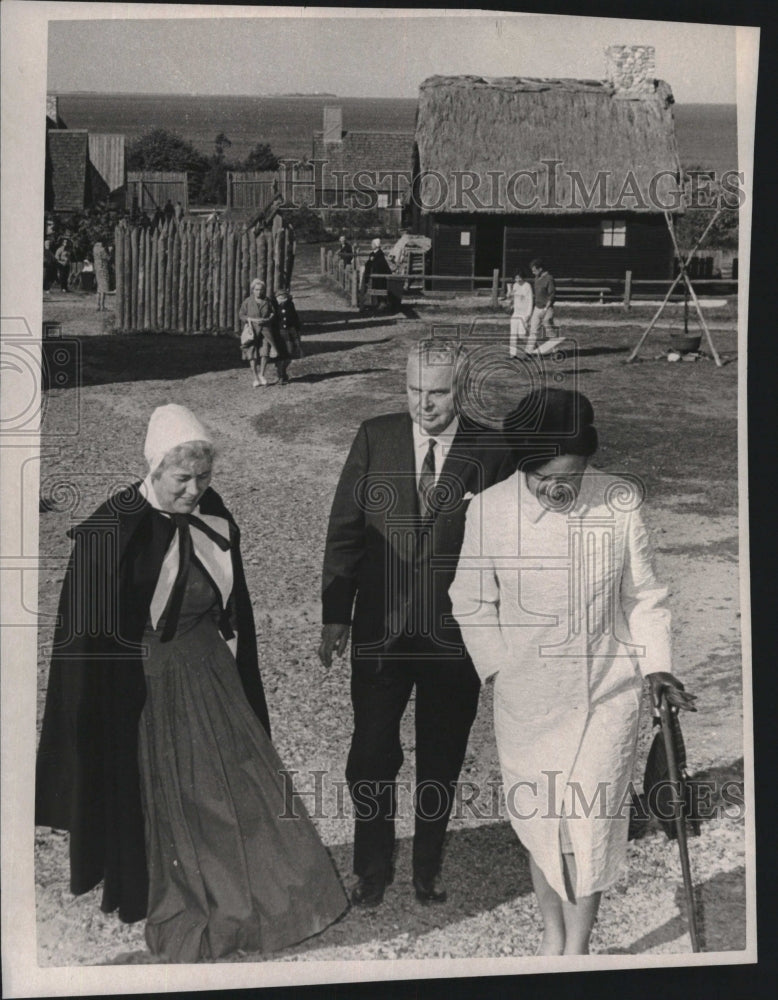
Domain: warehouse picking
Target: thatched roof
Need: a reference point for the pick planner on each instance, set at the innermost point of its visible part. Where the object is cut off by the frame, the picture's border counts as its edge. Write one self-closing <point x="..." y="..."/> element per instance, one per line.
<point x="510" y="124"/>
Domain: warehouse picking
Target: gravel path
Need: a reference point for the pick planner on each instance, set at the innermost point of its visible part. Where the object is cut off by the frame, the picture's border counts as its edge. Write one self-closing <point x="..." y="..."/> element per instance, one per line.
<point x="280" y="455"/>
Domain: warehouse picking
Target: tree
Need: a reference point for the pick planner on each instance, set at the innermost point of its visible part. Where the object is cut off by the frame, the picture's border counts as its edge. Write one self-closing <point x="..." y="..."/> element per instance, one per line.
<point x="214" y="182"/>
<point x="220" y="143"/>
<point x="704" y="194"/>
<point x="160" y="149"/>
<point x="261" y="157"/>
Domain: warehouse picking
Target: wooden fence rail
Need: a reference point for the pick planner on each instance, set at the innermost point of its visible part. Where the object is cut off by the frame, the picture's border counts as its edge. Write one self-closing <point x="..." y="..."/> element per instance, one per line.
<point x="192" y="277"/>
<point x="347" y="277"/>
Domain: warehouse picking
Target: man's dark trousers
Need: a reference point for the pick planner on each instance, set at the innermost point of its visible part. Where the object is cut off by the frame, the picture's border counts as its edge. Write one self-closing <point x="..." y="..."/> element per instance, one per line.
<point x="446" y="704"/>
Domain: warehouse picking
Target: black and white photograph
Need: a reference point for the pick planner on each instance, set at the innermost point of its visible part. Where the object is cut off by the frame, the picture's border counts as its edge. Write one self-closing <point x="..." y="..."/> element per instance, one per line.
<point x="376" y="598"/>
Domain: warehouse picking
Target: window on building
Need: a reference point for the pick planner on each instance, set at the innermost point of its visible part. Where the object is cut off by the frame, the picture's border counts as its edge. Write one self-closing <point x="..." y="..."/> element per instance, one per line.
<point x="613" y="233"/>
<point x="383" y="200"/>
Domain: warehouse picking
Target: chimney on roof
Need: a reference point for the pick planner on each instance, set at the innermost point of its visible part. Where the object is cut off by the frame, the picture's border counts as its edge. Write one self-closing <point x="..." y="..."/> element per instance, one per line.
<point x="333" y="125"/>
<point x="631" y="70"/>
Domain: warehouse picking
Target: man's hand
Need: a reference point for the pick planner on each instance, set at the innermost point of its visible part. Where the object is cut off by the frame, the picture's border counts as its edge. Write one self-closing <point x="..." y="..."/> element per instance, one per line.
<point x="333" y="637"/>
<point x="677" y="697"/>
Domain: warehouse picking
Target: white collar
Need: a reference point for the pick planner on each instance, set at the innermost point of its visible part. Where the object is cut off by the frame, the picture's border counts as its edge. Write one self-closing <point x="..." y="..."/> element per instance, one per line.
<point x="217" y="563"/>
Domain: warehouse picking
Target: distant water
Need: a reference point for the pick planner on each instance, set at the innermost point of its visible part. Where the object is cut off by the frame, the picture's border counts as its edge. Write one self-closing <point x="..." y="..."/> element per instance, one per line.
<point x="706" y="133"/>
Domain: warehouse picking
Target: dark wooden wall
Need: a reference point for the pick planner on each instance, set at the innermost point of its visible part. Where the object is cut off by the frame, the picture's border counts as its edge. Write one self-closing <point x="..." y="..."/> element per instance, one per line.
<point x="569" y="245"/>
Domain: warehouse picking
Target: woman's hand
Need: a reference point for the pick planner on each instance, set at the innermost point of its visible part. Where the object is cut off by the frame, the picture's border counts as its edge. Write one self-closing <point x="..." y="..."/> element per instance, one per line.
<point x="674" y="691"/>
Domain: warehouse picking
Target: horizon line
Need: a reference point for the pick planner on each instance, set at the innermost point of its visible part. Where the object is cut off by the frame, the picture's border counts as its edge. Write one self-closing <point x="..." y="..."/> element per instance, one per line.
<point x="324" y="94"/>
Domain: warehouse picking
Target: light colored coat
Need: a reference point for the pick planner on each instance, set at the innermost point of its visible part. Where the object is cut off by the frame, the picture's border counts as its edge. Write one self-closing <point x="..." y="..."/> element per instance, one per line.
<point x="565" y="609"/>
<point x="522" y="300"/>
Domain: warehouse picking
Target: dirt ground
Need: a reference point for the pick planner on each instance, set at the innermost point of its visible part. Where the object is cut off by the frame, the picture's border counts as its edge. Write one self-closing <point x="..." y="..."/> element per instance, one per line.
<point x="280" y="453"/>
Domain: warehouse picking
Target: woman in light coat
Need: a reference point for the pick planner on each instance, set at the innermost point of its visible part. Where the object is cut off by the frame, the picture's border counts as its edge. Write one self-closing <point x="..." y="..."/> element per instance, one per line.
<point x="259" y="313"/>
<point x="556" y="597"/>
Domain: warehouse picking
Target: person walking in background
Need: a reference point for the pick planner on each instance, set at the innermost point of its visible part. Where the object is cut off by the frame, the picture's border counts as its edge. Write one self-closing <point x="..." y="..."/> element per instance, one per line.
<point x="101" y="262"/>
<point x="155" y="751"/>
<point x="387" y="570"/>
<point x="374" y="277"/>
<point x="258" y="313"/>
<point x="543" y="311"/>
<point x="345" y="251"/>
<point x="289" y="334"/>
<point x="49" y="265"/>
<point x="63" y="257"/>
<point x="522" y="299"/>
<point x="556" y="597"/>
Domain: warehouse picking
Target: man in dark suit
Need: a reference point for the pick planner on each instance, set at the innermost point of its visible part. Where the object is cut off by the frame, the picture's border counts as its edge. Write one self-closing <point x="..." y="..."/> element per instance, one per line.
<point x="393" y="541"/>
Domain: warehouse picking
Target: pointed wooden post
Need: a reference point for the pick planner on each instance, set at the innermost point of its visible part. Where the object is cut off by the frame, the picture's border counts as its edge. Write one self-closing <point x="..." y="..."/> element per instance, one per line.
<point x="118" y="242"/>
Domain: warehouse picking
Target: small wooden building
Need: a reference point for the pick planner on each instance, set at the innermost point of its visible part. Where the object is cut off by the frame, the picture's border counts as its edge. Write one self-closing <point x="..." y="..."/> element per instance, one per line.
<point x="82" y="168"/>
<point x="68" y="187"/>
<point x="576" y="171"/>
<point x="362" y="169"/>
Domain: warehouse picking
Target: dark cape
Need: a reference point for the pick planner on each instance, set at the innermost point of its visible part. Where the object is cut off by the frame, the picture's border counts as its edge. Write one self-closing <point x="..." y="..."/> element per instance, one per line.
<point x="87" y="775"/>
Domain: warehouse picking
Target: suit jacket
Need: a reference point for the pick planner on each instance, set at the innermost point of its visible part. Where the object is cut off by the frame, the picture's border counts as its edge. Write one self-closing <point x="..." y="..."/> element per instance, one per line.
<point x="383" y="561"/>
<point x="87" y="777"/>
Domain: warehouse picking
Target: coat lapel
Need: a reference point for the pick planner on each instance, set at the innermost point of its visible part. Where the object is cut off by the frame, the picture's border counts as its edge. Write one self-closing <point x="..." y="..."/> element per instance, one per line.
<point x="401" y="462"/>
<point x="458" y="470"/>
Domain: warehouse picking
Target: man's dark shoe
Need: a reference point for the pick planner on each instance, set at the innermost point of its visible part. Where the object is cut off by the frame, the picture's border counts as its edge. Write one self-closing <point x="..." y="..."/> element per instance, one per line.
<point x="368" y="892"/>
<point x="429" y="890"/>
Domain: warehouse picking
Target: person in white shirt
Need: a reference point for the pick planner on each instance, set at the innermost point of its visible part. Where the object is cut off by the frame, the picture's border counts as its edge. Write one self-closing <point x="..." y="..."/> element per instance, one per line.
<point x="521" y="296"/>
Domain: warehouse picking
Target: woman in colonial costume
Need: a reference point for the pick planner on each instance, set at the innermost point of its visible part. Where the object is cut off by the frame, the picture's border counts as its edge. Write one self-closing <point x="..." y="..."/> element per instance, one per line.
<point x="155" y="751"/>
<point x="557" y="599"/>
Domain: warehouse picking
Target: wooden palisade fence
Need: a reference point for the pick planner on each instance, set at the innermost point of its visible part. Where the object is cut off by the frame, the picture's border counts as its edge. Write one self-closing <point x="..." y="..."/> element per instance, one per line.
<point x="192" y="277"/>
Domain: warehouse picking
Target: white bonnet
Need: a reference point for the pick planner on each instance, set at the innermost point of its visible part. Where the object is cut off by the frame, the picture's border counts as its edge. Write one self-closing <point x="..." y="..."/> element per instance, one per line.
<point x="170" y="426"/>
<point x="376" y="243"/>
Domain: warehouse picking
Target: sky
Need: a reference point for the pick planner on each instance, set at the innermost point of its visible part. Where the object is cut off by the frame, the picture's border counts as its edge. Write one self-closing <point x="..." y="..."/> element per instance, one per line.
<point x="208" y="53"/>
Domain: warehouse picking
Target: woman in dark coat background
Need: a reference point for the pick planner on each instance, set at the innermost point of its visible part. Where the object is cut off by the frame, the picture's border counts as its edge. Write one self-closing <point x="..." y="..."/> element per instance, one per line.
<point x="155" y="752"/>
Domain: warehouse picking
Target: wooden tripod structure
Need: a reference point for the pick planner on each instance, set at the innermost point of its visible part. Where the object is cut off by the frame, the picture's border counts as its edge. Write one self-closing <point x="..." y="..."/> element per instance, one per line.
<point x="682" y="276"/>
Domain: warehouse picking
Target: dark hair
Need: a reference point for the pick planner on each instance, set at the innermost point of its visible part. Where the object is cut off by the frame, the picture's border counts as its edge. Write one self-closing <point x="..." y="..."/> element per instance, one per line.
<point x="549" y="422"/>
<point x="537" y="262"/>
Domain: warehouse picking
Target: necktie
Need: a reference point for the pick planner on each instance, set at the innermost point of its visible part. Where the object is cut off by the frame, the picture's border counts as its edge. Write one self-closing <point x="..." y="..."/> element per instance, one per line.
<point x="182" y="522"/>
<point x="427" y="481"/>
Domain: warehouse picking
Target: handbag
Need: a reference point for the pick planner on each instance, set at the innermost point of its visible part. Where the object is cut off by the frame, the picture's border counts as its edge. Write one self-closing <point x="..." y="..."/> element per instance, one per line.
<point x="247" y="335"/>
<point x="661" y="798"/>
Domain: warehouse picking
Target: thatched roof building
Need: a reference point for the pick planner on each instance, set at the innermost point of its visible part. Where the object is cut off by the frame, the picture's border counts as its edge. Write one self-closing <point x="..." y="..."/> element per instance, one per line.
<point x="579" y="172"/>
<point x="513" y="124"/>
